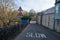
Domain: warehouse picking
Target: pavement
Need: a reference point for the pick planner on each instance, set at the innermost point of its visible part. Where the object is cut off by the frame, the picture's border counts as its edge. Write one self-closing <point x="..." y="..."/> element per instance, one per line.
<point x="37" y="32"/>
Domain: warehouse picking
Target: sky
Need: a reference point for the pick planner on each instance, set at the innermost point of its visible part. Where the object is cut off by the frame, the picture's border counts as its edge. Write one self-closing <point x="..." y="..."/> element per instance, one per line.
<point x="37" y="5"/>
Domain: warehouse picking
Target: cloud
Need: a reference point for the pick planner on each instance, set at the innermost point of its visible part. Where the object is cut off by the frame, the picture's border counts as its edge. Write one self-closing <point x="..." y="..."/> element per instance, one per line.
<point x="37" y="5"/>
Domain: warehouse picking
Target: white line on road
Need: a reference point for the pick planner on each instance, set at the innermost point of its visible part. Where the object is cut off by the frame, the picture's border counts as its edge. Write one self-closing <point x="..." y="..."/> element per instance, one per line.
<point x="35" y="35"/>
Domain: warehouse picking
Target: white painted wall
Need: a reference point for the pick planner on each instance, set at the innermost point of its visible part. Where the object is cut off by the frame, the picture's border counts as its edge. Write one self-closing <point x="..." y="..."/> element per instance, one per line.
<point x="48" y="21"/>
<point x="51" y="22"/>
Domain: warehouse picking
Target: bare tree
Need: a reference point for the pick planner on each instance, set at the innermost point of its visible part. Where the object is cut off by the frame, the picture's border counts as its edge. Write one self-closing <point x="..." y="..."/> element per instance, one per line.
<point x="7" y="14"/>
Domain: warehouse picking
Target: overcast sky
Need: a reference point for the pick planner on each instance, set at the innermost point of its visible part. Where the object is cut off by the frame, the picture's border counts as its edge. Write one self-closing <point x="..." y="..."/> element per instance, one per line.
<point x="37" y="5"/>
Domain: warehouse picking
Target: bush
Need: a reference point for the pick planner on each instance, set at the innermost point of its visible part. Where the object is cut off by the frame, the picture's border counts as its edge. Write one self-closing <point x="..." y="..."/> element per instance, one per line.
<point x="25" y="17"/>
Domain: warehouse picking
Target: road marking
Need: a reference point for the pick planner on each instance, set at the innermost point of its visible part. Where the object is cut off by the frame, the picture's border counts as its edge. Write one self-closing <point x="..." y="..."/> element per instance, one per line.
<point x="35" y="35"/>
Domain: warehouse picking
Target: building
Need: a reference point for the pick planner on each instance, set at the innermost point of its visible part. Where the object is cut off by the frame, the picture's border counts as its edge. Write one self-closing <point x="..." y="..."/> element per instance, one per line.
<point x="47" y="19"/>
<point x="20" y="10"/>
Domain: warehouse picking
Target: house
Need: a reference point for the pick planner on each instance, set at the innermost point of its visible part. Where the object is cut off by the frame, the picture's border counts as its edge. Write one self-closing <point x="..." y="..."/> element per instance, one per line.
<point x="47" y="19"/>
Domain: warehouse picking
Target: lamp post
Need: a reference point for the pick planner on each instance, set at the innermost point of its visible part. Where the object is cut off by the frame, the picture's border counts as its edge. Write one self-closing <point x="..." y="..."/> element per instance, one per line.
<point x="57" y="15"/>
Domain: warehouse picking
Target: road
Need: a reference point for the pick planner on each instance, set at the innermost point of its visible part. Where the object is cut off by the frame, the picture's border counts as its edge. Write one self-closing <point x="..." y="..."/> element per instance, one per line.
<point x="37" y="32"/>
<point x="32" y="22"/>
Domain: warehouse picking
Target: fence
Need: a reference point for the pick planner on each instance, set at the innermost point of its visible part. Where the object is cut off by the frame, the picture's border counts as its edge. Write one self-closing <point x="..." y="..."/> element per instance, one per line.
<point x="7" y="32"/>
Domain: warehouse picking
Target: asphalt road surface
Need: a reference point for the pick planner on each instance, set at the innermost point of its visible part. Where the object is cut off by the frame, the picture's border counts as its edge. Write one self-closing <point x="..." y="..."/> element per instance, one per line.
<point x="37" y="32"/>
<point x="32" y="21"/>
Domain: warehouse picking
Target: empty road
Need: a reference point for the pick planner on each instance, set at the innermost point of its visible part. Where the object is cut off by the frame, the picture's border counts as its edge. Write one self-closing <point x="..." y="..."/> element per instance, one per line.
<point x="37" y="32"/>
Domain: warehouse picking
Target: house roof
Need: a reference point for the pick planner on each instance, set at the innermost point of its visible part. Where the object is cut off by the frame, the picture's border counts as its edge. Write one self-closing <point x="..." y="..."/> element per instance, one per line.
<point x="51" y="10"/>
<point x="48" y="11"/>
